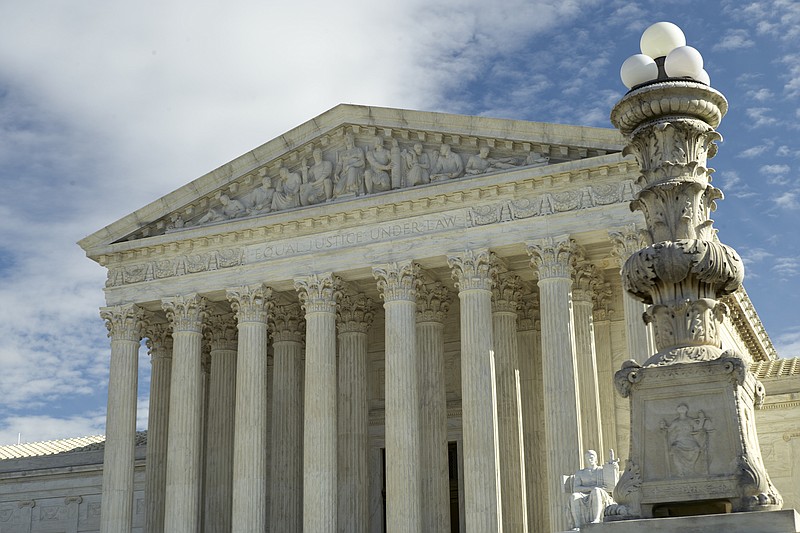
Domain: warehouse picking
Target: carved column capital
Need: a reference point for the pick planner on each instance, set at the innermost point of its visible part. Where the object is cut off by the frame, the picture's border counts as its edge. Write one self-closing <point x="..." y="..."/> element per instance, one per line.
<point x="397" y="281"/>
<point x="585" y="278"/>
<point x="627" y="241"/>
<point x="433" y="302"/>
<point x="221" y="333"/>
<point x="553" y="257"/>
<point x="251" y="303"/>
<point x="528" y="313"/>
<point x="602" y="299"/>
<point x="318" y="293"/>
<point x="124" y="322"/>
<point x="288" y="323"/>
<point x="159" y="340"/>
<point x="506" y="294"/>
<point x="355" y="313"/>
<point x="473" y="269"/>
<point x="186" y="312"/>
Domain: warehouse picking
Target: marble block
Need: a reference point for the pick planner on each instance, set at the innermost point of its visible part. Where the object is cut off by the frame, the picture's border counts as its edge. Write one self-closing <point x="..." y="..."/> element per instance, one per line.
<point x="786" y="521"/>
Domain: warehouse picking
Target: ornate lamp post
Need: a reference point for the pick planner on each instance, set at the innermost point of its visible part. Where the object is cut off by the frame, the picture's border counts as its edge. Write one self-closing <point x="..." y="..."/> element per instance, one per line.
<point x="694" y="448"/>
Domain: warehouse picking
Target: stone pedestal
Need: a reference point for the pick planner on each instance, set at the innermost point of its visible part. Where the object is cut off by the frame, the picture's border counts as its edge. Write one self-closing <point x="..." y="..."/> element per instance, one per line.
<point x="787" y="521"/>
<point x="693" y="426"/>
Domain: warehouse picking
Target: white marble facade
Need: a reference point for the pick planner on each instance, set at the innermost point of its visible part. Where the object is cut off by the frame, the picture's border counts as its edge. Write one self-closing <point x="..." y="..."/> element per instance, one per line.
<point x="409" y="322"/>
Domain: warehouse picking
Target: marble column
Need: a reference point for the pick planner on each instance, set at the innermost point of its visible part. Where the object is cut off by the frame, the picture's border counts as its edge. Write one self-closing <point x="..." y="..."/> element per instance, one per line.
<point x="124" y="324"/>
<point x="397" y="283"/>
<point x="433" y="304"/>
<point x="638" y="335"/>
<point x="318" y="293"/>
<point x="473" y="271"/>
<point x="585" y="277"/>
<point x="602" y="314"/>
<point x="184" y="444"/>
<point x="355" y="314"/>
<point x="532" y="391"/>
<point x="286" y="480"/>
<point x="159" y="344"/>
<point x="553" y="258"/>
<point x="252" y="305"/>
<point x="222" y="339"/>
<point x="506" y="295"/>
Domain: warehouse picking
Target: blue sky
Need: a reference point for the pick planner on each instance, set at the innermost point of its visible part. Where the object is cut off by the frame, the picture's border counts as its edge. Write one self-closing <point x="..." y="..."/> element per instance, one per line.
<point x="106" y="106"/>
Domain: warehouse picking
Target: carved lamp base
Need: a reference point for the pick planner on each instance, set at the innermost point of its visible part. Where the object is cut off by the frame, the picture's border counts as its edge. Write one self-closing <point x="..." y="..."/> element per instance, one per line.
<point x="694" y="448"/>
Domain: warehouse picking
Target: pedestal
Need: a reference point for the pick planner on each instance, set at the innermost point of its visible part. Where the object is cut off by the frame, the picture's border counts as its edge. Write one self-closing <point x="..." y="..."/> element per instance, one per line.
<point x="786" y="521"/>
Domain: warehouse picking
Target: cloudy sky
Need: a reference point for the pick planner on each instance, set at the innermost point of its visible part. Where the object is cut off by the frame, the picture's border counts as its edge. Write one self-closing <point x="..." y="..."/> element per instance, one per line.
<point x="107" y="105"/>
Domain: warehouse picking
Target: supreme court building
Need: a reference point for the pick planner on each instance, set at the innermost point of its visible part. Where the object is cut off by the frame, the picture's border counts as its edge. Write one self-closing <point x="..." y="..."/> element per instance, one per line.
<point x="386" y="320"/>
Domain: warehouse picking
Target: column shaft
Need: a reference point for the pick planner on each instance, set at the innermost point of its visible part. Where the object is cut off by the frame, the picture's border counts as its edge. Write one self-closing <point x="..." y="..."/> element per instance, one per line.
<point x="473" y="270"/>
<point x="286" y="496"/>
<point x="124" y="325"/>
<point x="249" y="508"/>
<point x="184" y="444"/>
<point x="397" y="283"/>
<point x="318" y="294"/>
<point x="592" y="430"/>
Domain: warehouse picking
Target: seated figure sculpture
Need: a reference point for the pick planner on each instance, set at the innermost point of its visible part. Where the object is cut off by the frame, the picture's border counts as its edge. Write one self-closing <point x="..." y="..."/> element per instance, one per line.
<point x="481" y="163"/>
<point x="590" y="490"/>
<point x="317" y="184"/>
<point x="377" y="178"/>
<point x="418" y="166"/>
<point x="447" y="166"/>
<point x="350" y="163"/>
<point x="231" y="208"/>
<point x="287" y="191"/>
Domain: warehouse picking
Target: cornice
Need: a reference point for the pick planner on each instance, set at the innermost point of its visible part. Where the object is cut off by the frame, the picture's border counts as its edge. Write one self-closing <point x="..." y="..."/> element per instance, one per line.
<point x="748" y="325"/>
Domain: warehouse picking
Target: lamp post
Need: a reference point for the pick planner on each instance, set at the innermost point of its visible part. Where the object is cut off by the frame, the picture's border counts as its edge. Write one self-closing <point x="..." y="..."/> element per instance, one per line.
<point x="694" y="448"/>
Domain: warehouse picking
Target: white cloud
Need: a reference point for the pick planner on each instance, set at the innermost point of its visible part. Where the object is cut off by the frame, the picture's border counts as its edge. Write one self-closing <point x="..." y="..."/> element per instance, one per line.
<point x="734" y="40"/>
<point x="787" y="200"/>
<point x="786" y="266"/>
<point x="755" y="151"/>
<point x="759" y="116"/>
<point x="787" y="343"/>
<point x="760" y="94"/>
<point x="39" y="428"/>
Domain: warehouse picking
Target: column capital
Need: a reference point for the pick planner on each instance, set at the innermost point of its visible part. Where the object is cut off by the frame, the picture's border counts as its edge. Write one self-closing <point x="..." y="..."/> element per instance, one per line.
<point x="288" y="324"/>
<point x="585" y="278"/>
<point x="528" y="313"/>
<point x="506" y="294"/>
<point x="473" y="269"/>
<point x="553" y="257"/>
<point x="626" y="241"/>
<point x="159" y="340"/>
<point x="602" y="300"/>
<point x="318" y="293"/>
<point x="354" y="313"/>
<point x="124" y="322"/>
<point x="397" y="281"/>
<point x="433" y="302"/>
<point x="221" y="333"/>
<point x="250" y="303"/>
<point x="186" y="312"/>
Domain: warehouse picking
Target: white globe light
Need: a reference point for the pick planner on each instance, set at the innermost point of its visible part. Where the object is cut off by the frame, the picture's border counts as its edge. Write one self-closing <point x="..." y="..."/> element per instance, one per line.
<point x="703" y="77"/>
<point x="637" y="69"/>
<point x="661" y="38"/>
<point x="683" y="61"/>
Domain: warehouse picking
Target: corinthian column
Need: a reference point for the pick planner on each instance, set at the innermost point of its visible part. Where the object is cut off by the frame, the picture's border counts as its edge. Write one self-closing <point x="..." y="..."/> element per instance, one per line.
<point x="553" y="258"/>
<point x="585" y="278"/>
<point x="124" y="324"/>
<point x="532" y="391"/>
<point x="397" y="283"/>
<point x="184" y="443"/>
<point x="252" y="305"/>
<point x="159" y="344"/>
<point x="355" y="314"/>
<point x="221" y="335"/>
<point x="473" y="271"/>
<point x="433" y="303"/>
<point x="505" y="301"/>
<point x="286" y="496"/>
<point x="318" y="294"/>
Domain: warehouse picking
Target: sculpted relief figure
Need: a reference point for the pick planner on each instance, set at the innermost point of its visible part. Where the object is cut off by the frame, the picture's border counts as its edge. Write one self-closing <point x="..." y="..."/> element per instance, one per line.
<point x="377" y="178"/>
<point x="260" y="200"/>
<point x="231" y="208"/>
<point x="417" y="166"/>
<point x="590" y="490"/>
<point x="349" y="169"/>
<point x="687" y="443"/>
<point x="481" y="162"/>
<point x="535" y="158"/>
<point x="448" y="165"/>
<point x="287" y="190"/>
<point x="317" y="184"/>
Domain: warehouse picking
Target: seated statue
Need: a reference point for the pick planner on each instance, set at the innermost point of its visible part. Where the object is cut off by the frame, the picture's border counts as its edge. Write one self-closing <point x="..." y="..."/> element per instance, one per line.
<point x="447" y="166"/>
<point x="590" y="489"/>
<point x="317" y="180"/>
<point x="481" y="163"/>
<point x="287" y="192"/>
<point x="377" y="178"/>
<point x="350" y="163"/>
<point x="260" y="200"/>
<point x="418" y="166"/>
<point x="231" y="208"/>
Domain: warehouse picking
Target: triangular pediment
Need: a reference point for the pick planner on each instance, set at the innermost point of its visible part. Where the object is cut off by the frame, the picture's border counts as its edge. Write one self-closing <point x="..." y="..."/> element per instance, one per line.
<point x="352" y="151"/>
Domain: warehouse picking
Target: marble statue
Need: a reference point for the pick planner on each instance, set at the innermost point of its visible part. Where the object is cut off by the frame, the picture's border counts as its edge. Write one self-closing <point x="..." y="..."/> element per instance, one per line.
<point x="535" y="158"/>
<point x="417" y="166"/>
<point x="448" y="165"/>
<point x="317" y="184"/>
<point x="481" y="163"/>
<point x="687" y="442"/>
<point x="376" y="177"/>
<point x="231" y="208"/>
<point x="287" y="192"/>
<point x="590" y="490"/>
<point x="260" y="200"/>
<point x="350" y="164"/>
